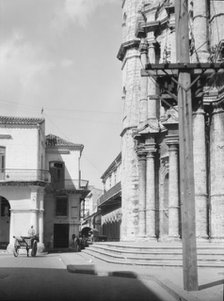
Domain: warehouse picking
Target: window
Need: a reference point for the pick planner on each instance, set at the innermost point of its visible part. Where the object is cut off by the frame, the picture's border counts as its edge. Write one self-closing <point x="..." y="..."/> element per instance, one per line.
<point x="57" y="172"/>
<point x="61" y="206"/>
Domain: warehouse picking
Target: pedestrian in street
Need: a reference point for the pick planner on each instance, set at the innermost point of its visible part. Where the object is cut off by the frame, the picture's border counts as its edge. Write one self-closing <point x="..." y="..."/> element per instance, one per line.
<point x="31" y="234"/>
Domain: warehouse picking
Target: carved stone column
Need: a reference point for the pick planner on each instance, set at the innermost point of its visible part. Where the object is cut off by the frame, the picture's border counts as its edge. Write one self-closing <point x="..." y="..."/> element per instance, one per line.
<point x="172" y="38"/>
<point x="142" y="193"/>
<point x="152" y="93"/>
<point x="143" y="104"/>
<point x="41" y="222"/>
<point x="174" y="205"/>
<point x="217" y="173"/>
<point x="200" y="173"/>
<point x="150" y="190"/>
<point x="200" y="12"/>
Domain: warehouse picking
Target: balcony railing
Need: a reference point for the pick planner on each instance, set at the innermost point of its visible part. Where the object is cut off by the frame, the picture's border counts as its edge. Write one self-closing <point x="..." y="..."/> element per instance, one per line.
<point x="76" y="184"/>
<point x="24" y="175"/>
<point x="113" y="192"/>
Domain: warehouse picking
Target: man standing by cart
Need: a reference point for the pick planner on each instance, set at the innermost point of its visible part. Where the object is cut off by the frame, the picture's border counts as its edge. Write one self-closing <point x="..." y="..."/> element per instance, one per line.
<point x="31" y="233"/>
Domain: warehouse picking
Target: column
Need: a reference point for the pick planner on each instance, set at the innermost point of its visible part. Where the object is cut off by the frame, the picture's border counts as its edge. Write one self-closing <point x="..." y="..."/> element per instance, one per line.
<point x="150" y="190"/>
<point x="142" y="193"/>
<point x="143" y="104"/>
<point x="152" y="91"/>
<point x="217" y="174"/>
<point x="172" y="39"/>
<point x="200" y="173"/>
<point x="174" y="205"/>
<point x="41" y="224"/>
<point x="12" y="228"/>
<point x="34" y="208"/>
<point x="200" y="33"/>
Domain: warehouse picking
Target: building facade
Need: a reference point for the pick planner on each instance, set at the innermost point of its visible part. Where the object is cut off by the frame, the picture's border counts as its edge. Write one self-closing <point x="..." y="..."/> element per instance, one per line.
<point x="30" y="182"/>
<point x="109" y="204"/>
<point x="90" y="217"/>
<point x="64" y="193"/>
<point x="151" y="207"/>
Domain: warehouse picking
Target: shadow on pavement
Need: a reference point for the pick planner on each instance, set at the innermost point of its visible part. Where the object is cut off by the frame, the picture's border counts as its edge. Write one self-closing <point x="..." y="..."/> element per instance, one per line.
<point x="58" y="284"/>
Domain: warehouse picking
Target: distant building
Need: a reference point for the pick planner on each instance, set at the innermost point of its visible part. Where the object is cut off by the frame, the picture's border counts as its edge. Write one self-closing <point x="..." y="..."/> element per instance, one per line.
<point x="40" y="183"/>
<point x="90" y="217"/>
<point x="109" y="203"/>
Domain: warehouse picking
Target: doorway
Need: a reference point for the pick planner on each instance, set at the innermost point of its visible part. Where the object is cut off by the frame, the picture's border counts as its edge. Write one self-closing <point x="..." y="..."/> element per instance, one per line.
<point x="61" y="235"/>
<point x="4" y="222"/>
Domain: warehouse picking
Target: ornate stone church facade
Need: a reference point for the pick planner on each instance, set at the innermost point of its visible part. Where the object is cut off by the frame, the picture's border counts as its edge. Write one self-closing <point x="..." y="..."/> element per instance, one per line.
<point x="151" y="207"/>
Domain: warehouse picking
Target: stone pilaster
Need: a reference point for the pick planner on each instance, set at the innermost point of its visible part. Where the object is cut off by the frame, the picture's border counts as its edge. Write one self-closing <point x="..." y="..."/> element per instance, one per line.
<point x="174" y="205"/>
<point x="217" y="174"/>
<point x="143" y="104"/>
<point x="150" y="190"/>
<point x="200" y="173"/>
<point x="12" y="227"/>
<point x="142" y="193"/>
<point x="41" y="224"/>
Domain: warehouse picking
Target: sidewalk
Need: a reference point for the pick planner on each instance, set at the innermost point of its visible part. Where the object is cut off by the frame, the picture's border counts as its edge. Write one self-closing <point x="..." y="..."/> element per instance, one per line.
<point x="166" y="281"/>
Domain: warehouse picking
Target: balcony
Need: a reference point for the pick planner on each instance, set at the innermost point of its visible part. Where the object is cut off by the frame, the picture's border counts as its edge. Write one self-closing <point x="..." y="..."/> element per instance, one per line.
<point x="111" y="196"/>
<point x="24" y="175"/>
<point x="76" y="184"/>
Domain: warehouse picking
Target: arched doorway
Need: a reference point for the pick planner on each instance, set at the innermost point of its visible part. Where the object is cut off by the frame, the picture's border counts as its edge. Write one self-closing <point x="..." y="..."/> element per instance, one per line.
<point x="4" y="222"/>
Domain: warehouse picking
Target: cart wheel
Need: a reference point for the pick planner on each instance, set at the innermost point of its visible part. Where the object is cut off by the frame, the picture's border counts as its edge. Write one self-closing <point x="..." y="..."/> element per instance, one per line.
<point x="15" y="251"/>
<point x="34" y="249"/>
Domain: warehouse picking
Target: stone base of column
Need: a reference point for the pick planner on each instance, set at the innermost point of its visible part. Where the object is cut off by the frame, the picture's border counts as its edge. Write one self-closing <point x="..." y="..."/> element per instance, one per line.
<point x="141" y="238"/>
<point x="216" y="239"/>
<point x="10" y="248"/>
<point x="151" y="238"/>
<point x="203" y="239"/>
<point x="173" y="238"/>
<point x="40" y="247"/>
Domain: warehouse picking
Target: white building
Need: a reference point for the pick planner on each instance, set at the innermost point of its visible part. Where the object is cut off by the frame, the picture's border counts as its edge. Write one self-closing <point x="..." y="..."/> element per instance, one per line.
<point x="25" y="160"/>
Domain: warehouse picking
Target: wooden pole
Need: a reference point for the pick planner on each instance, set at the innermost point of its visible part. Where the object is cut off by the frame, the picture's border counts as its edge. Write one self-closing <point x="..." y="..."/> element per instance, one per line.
<point x="187" y="196"/>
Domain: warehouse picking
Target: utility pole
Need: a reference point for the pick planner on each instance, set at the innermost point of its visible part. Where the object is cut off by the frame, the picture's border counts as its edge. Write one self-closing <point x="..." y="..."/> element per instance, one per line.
<point x="187" y="195"/>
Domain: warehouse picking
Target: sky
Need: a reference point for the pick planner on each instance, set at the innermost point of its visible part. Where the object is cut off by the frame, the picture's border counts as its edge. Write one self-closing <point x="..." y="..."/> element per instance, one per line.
<point x="58" y="61"/>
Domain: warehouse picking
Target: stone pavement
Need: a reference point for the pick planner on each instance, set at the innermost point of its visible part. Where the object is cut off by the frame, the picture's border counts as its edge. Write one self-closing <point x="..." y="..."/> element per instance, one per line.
<point x="167" y="282"/>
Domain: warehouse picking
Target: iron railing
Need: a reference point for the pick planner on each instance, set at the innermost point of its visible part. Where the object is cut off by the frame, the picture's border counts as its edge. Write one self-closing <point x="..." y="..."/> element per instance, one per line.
<point x="76" y="184"/>
<point x="26" y="175"/>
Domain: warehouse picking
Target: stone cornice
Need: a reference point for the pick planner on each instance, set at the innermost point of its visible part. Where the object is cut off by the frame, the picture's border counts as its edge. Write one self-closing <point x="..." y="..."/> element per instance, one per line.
<point x="127" y="129"/>
<point x="20" y="122"/>
<point x="22" y="183"/>
<point x="125" y="46"/>
<point x="143" y="28"/>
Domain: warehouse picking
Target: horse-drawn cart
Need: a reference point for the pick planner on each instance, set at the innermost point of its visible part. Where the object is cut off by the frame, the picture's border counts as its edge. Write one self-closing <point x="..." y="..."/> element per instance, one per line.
<point x="25" y="242"/>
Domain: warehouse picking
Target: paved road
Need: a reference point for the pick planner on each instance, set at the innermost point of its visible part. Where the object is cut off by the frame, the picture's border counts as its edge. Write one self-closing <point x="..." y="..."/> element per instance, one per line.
<point x="47" y="278"/>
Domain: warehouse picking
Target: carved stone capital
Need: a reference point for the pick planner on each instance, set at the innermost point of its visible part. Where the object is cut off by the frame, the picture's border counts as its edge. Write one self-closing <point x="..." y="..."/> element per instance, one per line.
<point x="143" y="46"/>
<point x="173" y="142"/>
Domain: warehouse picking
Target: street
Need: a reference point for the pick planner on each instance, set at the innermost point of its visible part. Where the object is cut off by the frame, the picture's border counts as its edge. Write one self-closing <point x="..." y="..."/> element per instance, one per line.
<point x="46" y="277"/>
